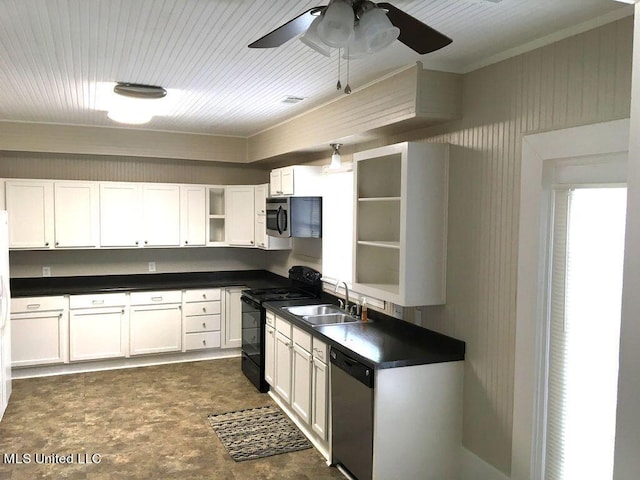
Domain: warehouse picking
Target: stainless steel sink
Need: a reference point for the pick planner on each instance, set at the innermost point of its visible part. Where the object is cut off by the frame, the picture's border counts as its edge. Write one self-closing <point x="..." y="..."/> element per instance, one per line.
<point x="313" y="310"/>
<point x="329" y="319"/>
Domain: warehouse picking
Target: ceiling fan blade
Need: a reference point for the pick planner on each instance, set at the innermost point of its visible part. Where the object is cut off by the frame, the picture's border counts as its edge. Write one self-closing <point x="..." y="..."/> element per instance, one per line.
<point x="413" y="33"/>
<point x="289" y="30"/>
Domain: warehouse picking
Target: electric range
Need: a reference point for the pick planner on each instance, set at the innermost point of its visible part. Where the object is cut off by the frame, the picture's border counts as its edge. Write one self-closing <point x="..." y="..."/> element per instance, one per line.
<point x="304" y="283"/>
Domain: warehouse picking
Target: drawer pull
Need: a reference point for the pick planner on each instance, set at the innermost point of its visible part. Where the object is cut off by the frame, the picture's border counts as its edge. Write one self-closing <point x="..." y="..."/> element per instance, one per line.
<point x="204" y="342"/>
<point x="204" y="325"/>
<point x="204" y="295"/>
<point x="97" y="302"/>
<point x="33" y="306"/>
<point x="204" y="309"/>
<point x="156" y="299"/>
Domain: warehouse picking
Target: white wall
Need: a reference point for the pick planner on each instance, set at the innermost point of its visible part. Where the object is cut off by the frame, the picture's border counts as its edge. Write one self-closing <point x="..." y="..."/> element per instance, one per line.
<point x="627" y="455"/>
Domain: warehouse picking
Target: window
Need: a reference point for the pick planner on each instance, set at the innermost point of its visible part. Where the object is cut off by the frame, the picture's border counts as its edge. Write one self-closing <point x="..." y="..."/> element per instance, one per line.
<point x="583" y="333"/>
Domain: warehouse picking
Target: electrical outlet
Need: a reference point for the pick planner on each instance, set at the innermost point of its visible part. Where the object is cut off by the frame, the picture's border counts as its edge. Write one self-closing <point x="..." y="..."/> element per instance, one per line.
<point x="397" y="311"/>
<point x="152" y="266"/>
<point x="46" y="271"/>
<point x="417" y="316"/>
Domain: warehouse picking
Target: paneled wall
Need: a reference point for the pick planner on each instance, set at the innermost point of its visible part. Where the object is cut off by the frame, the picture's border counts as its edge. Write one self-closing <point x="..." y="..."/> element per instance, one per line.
<point x="580" y="80"/>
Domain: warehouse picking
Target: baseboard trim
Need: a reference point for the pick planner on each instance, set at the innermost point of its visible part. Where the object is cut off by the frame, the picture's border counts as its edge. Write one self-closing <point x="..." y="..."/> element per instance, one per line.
<point x="474" y="468"/>
<point x="120" y="363"/>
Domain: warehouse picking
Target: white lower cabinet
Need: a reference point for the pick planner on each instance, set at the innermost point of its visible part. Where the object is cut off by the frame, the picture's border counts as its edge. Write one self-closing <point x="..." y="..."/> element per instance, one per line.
<point x="283" y="360"/>
<point x="98" y="326"/>
<point x="270" y="350"/>
<point x="201" y="319"/>
<point x="301" y="375"/>
<point x="39" y="331"/>
<point x="155" y="322"/>
<point x="320" y="390"/>
<point x="231" y="331"/>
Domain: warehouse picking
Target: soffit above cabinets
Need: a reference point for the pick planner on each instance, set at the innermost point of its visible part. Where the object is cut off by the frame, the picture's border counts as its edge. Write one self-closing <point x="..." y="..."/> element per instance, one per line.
<point x="54" y="51"/>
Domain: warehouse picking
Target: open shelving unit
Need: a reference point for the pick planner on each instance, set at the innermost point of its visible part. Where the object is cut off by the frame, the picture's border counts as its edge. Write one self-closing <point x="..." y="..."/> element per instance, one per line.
<point x="216" y="216"/>
<point x="400" y="223"/>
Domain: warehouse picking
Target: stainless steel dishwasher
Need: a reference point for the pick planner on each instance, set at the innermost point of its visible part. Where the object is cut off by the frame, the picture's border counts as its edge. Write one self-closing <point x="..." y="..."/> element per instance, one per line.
<point x="352" y="415"/>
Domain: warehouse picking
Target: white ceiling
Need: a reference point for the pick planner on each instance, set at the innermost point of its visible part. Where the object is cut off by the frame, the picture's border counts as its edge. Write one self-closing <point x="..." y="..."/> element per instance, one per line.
<point x="52" y="53"/>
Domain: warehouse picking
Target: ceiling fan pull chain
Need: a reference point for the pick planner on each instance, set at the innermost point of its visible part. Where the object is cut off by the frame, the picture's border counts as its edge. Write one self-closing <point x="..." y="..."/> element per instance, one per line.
<point x="338" y="85"/>
<point x="347" y="89"/>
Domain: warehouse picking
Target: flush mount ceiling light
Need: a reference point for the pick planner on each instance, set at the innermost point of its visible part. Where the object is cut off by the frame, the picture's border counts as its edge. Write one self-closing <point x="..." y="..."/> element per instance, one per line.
<point x="134" y="103"/>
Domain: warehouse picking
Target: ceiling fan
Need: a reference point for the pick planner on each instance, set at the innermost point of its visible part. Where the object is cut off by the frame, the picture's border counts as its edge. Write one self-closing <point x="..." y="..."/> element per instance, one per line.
<point x="409" y="30"/>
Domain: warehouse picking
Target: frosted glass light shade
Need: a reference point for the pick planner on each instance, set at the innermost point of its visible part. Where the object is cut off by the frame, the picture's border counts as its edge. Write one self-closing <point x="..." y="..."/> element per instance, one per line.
<point x="130" y="116"/>
<point x="312" y="40"/>
<point x="357" y="47"/>
<point x="336" y="161"/>
<point x="377" y="30"/>
<point x="336" y="26"/>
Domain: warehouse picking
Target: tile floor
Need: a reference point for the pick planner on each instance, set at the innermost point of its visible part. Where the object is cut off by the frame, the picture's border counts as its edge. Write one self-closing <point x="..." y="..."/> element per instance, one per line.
<point x="144" y="423"/>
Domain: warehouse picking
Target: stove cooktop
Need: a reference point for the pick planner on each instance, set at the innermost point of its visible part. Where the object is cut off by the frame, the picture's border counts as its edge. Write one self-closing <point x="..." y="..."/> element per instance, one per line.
<point x="273" y="294"/>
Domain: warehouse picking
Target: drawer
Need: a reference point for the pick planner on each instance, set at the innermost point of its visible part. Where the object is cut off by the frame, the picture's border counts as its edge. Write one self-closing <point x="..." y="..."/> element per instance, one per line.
<point x="100" y="300"/>
<point x="203" y="295"/>
<point x="202" y="308"/>
<point x="202" y="323"/>
<point x="271" y="319"/>
<point x="320" y="350"/>
<point x="150" y="298"/>
<point x="198" y="341"/>
<point x="283" y="326"/>
<point x="302" y="338"/>
<point x="37" y="304"/>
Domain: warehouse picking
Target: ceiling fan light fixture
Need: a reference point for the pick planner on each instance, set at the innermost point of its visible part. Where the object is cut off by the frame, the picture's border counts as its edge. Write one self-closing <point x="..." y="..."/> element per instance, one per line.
<point x="337" y="23"/>
<point x="377" y="30"/>
<point x="312" y="40"/>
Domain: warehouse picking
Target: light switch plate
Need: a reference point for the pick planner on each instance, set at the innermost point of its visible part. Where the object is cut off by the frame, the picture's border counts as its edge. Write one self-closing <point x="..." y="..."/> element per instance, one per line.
<point x="152" y="266"/>
<point x="46" y="271"/>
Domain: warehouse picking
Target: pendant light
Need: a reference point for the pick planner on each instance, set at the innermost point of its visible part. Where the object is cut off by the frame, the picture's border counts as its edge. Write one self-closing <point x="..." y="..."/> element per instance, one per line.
<point x="336" y="159"/>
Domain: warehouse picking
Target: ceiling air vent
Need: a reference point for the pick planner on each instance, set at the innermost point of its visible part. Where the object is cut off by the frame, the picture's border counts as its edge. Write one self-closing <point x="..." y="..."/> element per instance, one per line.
<point x="292" y="99"/>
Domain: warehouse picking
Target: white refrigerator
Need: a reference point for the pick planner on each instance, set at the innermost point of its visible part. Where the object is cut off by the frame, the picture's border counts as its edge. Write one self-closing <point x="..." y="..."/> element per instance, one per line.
<point x="5" y="323"/>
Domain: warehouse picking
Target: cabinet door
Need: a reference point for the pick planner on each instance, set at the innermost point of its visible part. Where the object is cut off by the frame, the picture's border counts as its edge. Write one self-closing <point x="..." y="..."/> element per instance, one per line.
<point x="275" y="182"/>
<point x="161" y="215"/>
<point x="239" y="215"/>
<point x="97" y="333"/>
<point x="37" y="338"/>
<point x="155" y="329"/>
<point x="283" y="367"/>
<point x="193" y="216"/>
<point x="76" y="213"/>
<point x="320" y="402"/>
<point x="232" y="337"/>
<point x="261" y="194"/>
<point x="286" y="179"/>
<point x="270" y="355"/>
<point x="301" y="383"/>
<point x="119" y="215"/>
<point x="30" y="207"/>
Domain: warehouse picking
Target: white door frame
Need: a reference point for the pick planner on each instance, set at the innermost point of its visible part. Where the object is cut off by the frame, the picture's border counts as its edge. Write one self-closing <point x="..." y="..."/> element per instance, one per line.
<point x="598" y="139"/>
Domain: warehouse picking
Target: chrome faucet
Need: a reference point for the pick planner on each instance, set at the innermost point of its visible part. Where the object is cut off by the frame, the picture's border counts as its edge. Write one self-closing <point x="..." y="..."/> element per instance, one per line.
<point x="343" y="304"/>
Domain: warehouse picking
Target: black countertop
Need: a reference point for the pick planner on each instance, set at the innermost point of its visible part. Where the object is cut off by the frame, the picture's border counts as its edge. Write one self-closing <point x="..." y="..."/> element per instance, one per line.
<point x="383" y="341"/>
<point x="48" y="286"/>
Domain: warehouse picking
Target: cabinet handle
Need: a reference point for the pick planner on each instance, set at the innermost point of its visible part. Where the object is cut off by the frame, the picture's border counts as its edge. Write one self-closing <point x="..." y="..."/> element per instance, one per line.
<point x="60" y="315"/>
<point x="251" y="242"/>
<point x="137" y="242"/>
<point x="204" y="325"/>
<point x="46" y="244"/>
<point x="204" y="309"/>
<point x="97" y="302"/>
<point x="186" y="242"/>
<point x="204" y="295"/>
<point x="146" y="242"/>
<point x="33" y="306"/>
<point x="122" y="312"/>
<point x="57" y="243"/>
<point x="204" y="342"/>
<point x="156" y="299"/>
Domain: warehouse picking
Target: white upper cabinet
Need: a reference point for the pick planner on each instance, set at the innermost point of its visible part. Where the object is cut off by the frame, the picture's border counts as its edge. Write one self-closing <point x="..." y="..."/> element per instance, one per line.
<point x="401" y="223"/>
<point x="30" y="207"/>
<point x="160" y="215"/>
<point x="119" y="214"/>
<point x="239" y="205"/>
<point x="301" y="180"/>
<point x="193" y="215"/>
<point x="76" y="207"/>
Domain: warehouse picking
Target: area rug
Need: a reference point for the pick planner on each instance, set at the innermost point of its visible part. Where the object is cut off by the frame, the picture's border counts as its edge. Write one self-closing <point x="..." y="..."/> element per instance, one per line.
<point x="257" y="433"/>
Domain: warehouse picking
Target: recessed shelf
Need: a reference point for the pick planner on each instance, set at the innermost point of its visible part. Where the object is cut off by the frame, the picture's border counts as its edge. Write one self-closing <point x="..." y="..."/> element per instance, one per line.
<point x="379" y="199"/>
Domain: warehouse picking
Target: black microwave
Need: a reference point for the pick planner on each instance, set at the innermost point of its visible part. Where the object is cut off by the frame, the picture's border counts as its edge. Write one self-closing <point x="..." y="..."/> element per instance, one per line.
<point x="299" y="217"/>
